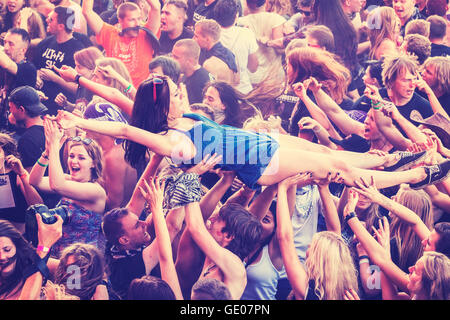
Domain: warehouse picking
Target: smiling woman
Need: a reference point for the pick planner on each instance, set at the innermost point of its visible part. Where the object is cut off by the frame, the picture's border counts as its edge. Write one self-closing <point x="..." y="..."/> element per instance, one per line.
<point x="80" y="189"/>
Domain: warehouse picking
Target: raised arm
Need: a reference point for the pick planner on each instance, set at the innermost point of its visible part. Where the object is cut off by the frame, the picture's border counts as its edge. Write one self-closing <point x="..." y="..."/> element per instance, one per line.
<point x="330" y="211"/>
<point x="48" y="234"/>
<point x="296" y="273"/>
<point x="375" y="251"/>
<point x="113" y="95"/>
<point x="410" y="217"/>
<point x="154" y="195"/>
<point x="229" y="263"/>
<point x="92" y="18"/>
<point x="154" y="16"/>
<point x="7" y="64"/>
<point x="334" y="112"/>
<point x="160" y="144"/>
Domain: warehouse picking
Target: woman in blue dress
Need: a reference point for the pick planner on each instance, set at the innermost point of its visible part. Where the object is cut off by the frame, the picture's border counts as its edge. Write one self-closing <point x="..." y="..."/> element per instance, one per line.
<point x="159" y="124"/>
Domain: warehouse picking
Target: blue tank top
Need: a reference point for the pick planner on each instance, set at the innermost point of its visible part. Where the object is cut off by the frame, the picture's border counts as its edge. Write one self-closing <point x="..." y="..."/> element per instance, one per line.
<point x="245" y="152"/>
<point x="262" y="279"/>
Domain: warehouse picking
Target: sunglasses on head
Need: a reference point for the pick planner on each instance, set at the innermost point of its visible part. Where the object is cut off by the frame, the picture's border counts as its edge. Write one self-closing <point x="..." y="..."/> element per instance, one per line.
<point x="157" y="79"/>
<point x="86" y="141"/>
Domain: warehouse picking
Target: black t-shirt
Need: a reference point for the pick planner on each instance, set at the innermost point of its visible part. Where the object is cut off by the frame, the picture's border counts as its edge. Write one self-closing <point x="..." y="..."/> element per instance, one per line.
<point x="195" y="84"/>
<point x="166" y="44"/>
<point x="439" y="50"/>
<point x="50" y="53"/>
<point x="207" y="11"/>
<point x="416" y="103"/>
<point x="31" y="145"/>
<point x="124" y="267"/>
<point x="25" y="76"/>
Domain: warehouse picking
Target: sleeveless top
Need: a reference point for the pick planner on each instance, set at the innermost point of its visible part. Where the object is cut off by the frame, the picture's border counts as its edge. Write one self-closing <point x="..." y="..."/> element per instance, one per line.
<point x="262" y="279"/>
<point x="245" y="152"/>
<point x="83" y="226"/>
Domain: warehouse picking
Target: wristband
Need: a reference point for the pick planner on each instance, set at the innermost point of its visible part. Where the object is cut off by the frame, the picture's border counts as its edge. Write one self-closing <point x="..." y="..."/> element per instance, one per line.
<point x="363" y="261"/>
<point x="77" y="78"/>
<point x="43" y="249"/>
<point x="23" y="176"/>
<point x="41" y="164"/>
<point x="128" y="89"/>
<point x="363" y="257"/>
<point x="350" y="216"/>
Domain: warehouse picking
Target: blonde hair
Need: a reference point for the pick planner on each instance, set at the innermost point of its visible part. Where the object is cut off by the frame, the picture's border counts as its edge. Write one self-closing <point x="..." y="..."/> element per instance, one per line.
<point x="386" y="30"/>
<point x="436" y="276"/>
<point x="442" y="71"/>
<point x="408" y="243"/>
<point x="87" y="57"/>
<point x="322" y="65"/>
<point x="331" y="266"/>
<point x="53" y="291"/>
<point x="395" y="65"/>
<point x="257" y="123"/>
<point x="117" y="65"/>
<point x="418" y="26"/>
<point x="209" y="28"/>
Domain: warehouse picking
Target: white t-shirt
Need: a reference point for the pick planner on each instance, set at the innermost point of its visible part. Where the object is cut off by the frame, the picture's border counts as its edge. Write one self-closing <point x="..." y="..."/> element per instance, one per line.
<point x="269" y="60"/>
<point x="242" y="42"/>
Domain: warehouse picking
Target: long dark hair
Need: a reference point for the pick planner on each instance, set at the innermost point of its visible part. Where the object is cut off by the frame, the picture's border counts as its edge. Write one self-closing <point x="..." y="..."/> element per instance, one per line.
<point x="329" y="13"/>
<point x="148" y="114"/>
<point x="237" y="108"/>
<point x="25" y="256"/>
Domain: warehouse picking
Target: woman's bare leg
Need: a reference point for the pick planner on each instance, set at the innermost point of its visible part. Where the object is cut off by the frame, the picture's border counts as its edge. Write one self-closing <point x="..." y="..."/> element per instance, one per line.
<point x="287" y="162"/>
<point x="356" y="159"/>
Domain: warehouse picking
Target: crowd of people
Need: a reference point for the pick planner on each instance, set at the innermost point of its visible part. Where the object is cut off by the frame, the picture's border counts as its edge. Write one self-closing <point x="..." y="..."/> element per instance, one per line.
<point x="225" y="150"/>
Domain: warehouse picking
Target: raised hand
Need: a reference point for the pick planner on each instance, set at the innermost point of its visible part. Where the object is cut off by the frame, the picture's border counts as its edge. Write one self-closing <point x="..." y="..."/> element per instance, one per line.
<point x="299" y="90"/>
<point x="352" y="200"/>
<point x="309" y="123"/>
<point x="67" y="73"/>
<point x="390" y="110"/>
<point x="324" y="182"/>
<point x="206" y="164"/>
<point x="15" y="164"/>
<point x="303" y="178"/>
<point x="53" y="134"/>
<point x="369" y="190"/>
<point x="48" y="234"/>
<point x="66" y="119"/>
<point x="153" y="193"/>
<point x="383" y="234"/>
<point x="61" y="100"/>
<point x="312" y="84"/>
<point x="372" y="93"/>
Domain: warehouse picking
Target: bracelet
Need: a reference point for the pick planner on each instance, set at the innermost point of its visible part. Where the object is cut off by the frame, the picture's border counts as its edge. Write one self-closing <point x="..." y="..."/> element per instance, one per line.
<point x="350" y="216"/>
<point x="363" y="261"/>
<point x="77" y="78"/>
<point x="41" y="164"/>
<point x="23" y="175"/>
<point x="43" y="249"/>
<point x="128" y="89"/>
<point x="363" y="257"/>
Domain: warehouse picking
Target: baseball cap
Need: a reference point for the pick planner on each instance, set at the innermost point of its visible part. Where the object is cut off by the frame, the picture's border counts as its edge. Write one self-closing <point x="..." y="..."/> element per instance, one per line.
<point x="438" y="123"/>
<point x="353" y="143"/>
<point x="27" y="97"/>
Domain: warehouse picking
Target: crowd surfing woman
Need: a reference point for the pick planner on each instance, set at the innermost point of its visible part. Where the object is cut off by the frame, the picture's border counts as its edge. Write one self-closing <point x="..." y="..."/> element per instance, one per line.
<point x="159" y="125"/>
<point x="80" y="189"/>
